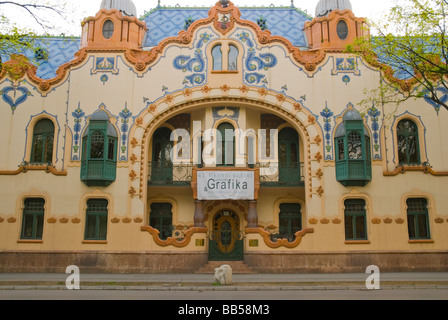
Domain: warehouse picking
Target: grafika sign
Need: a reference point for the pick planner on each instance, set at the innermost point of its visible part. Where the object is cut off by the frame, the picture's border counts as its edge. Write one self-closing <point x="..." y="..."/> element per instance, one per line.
<point x="225" y="185"/>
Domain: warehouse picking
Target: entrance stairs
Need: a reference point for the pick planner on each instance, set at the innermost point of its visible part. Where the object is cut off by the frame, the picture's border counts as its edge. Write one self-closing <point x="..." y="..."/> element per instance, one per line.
<point x="238" y="267"/>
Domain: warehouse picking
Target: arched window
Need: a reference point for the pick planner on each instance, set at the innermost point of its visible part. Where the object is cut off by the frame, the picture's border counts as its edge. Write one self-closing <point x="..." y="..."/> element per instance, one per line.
<point x="288" y="156"/>
<point x="43" y="140"/>
<point x="99" y="151"/>
<point x="225" y="145"/>
<point x="96" y="219"/>
<point x="217" y="58"/>
<point x="407" y="140"/>
<point x="161" y="218"/>
<point x="33" y="219"/>
<point x="233" y="58"/>
<point x="162" y="152"/>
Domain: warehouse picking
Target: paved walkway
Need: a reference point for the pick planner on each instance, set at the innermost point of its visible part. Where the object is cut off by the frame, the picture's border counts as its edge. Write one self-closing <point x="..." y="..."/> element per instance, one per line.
<point x="205" y="282"/>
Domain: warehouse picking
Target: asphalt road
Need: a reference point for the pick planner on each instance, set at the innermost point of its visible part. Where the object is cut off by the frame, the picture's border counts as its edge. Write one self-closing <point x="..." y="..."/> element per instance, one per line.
<point x="402" y="294"/>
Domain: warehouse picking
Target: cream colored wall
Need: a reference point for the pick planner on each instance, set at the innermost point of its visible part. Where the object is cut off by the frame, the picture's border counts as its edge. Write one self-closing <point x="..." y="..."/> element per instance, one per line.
<point x="66" y="195"/>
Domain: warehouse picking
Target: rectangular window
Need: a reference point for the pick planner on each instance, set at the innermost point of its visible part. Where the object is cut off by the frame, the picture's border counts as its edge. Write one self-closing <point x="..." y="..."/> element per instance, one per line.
<point x="161" y="218"/>
<point x="290" y="220"/>
<point x="33" y="219"/>
<point x="418" y="221"/>
<point x="355" y="219"/>
<point x="96" y="219"/>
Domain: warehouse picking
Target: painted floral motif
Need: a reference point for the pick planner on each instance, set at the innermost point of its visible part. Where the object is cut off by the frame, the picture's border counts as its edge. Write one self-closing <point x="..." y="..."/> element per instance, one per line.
<point x="15" y="96"/>
<point x="443" y="98"/>
<point x="374" y="113"/>
<point x="326" y="115"/>
<point x="105" y="64"/>
<point x="125" y="115"/>
<point x="256" y="63"/>
<point x="345" y="65"/>
<point x="78" y="114"/>
<point x="195" y="64"/>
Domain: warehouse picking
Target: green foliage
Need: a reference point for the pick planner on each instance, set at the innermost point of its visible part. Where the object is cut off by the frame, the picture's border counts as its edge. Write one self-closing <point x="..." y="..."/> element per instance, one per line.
<point x="39" y="14"/>
<point x="410" y="44"/>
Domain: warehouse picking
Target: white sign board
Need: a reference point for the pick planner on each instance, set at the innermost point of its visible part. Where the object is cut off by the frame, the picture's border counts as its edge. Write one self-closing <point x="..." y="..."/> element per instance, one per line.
<point x="226" y="185"/>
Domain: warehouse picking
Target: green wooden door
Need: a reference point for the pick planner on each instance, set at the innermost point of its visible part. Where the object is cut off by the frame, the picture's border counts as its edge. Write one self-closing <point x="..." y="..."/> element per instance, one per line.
<point x="162" y="165"/>
<point x="288" y="153"/>
<point x="226" y="241"/>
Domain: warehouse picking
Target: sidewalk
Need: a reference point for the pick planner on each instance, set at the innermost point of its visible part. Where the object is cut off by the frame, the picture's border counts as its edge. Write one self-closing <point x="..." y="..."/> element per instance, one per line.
<point x="205" y="282"/>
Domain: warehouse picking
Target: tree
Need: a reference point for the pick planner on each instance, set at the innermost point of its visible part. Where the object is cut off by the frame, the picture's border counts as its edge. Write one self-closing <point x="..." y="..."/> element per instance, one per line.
<point x="16" y="39"/>
<point x="411" y="48"/>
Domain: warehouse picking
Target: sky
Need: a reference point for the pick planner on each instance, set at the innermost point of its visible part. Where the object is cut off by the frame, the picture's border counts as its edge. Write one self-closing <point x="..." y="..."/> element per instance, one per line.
<point x="81" y="9"/>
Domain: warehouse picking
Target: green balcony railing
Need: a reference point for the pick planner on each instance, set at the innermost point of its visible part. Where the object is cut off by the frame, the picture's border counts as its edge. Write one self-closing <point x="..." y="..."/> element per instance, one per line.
<point x="170" y="174"/>
<point x="98" y="172"/>
<point x="273" y="174"/>
<point x="279" y="174"/>
<point x="354" y="172"/>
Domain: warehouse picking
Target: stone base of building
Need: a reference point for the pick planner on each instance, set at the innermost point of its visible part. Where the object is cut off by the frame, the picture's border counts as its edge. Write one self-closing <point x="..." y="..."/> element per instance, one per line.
<point x="101" y="262"/>
<point x="265" y="262"/>
<point x="348" y="262"/>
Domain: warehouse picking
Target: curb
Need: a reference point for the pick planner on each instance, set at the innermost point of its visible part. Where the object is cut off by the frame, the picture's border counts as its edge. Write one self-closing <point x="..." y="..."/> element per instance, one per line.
<point x="218" y="288"/>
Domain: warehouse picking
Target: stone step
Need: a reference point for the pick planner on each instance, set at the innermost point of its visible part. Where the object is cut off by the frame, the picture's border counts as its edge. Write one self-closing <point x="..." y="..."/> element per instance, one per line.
<point x="238" y="267"/>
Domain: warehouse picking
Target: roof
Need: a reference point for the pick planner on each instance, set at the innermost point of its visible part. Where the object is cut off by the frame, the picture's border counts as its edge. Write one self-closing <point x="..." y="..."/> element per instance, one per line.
<point x="164" y="22"/>
<point x="59" y="50"/>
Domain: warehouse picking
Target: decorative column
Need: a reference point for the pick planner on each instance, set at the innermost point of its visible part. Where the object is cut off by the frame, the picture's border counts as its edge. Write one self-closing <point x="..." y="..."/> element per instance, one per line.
<point x="252" y="215"/>
<point x="199" y="217"/>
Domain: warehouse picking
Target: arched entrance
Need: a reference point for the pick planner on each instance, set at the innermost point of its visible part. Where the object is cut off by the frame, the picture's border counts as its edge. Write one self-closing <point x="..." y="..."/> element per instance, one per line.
<point x="226" y="238"/>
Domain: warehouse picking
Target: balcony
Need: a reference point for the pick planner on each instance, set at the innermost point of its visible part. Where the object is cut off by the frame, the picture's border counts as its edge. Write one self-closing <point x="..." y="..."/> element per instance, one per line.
<point x="279" y="174"/>
<point x="354" y="172"/>
<point x="272" y="174"/>
<point x="170" y="174"/>
<point x="98" y="172"/>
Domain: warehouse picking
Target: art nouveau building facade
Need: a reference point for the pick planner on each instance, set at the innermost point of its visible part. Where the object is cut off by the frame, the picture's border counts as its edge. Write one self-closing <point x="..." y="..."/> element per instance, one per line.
<point x="231" y="140"/>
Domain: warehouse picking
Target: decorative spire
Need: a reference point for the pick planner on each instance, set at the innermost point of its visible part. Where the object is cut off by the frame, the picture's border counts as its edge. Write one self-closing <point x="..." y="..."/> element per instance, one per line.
<point x="224" y="3"/>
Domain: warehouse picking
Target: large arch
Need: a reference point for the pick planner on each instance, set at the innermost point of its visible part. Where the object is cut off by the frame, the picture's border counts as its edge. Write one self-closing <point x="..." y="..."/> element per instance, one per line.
<point x="299" y="117"/>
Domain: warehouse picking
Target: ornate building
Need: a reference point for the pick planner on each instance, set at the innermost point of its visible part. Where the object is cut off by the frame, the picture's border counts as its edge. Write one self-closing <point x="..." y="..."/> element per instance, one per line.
<point x="192" y="135"/>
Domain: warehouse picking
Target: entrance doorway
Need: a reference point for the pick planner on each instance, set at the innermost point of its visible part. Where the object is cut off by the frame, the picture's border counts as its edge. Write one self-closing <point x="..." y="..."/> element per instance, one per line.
<point x="226" y="240"/>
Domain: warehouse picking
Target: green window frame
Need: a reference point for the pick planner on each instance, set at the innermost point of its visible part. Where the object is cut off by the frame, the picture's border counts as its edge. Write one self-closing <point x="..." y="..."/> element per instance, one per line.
<point x="43" y="142"/>
<point x="33" y="219"/>
<point x="289" y="157"/>
<point x="162" y="153"/>
<point x="99" y="151"/>
<point x="290" y="220"/>
<point x="161" y="218"/>
<point x="408" y="142"/>
<point x="355" y="219"/>
<point x="352" y="152"/>
<point x="225" y="147"/>
<point x="418" y="219"/>
<point x="96" y="219"/>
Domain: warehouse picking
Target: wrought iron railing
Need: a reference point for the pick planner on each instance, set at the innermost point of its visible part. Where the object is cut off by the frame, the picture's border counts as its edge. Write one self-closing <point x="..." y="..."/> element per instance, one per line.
<point x="281" y="174"/>
<point x="170" y="174"/>
<point x="276" y="174"/>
